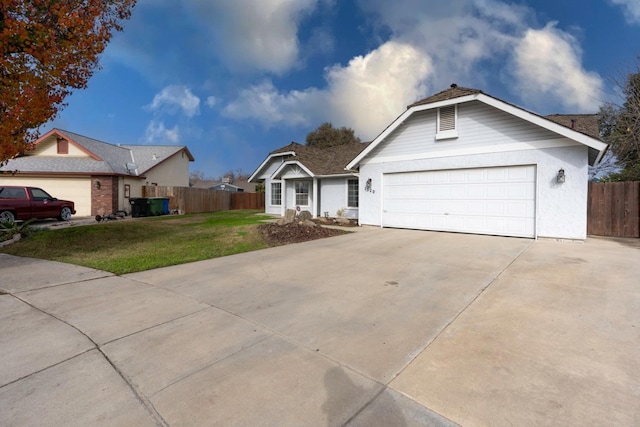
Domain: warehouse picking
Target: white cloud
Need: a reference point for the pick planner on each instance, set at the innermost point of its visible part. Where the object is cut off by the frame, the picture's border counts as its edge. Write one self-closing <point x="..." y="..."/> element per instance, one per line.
<point x="264" y="103"/>
<point x="365" y="95"/>
<point x="157" y="134"/>
<point x="175" y="97"/>
<point x="457" y="34"/>
<point x="631" y="9"/>
<point x="373" y="90"/>
<point x="256" y="34"/>
<point x="431" y="46"/>
<point x="547" y="64"/>
<point x="463" y="37"/>
<point x="211" y="101"/>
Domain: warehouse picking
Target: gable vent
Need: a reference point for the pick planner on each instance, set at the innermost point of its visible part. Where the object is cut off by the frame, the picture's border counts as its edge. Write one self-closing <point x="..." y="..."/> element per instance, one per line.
<point x="447" y="118"/>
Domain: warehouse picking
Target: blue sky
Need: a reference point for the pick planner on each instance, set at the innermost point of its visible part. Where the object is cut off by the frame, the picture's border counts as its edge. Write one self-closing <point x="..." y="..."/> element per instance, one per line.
<point x="234" y="80"/>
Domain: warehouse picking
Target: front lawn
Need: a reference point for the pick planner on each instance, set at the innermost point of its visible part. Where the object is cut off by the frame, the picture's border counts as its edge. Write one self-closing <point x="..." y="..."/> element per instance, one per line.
<point x="131" y="245"/>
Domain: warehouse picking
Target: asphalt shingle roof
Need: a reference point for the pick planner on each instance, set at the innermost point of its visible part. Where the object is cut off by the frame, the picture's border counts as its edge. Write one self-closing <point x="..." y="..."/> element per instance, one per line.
<point x="111" y="159"/>
<point x="584" y="123"/>
<point x="324" y="161"/>
<point x="454" y="91"/>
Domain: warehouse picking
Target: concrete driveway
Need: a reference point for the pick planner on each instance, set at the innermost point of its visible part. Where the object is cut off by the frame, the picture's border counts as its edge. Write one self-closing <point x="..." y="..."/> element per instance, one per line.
<point x="377" y="328"/>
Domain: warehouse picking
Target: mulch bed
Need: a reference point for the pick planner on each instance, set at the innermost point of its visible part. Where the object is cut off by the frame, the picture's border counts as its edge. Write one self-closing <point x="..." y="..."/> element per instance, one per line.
<point x="276" y="235"/>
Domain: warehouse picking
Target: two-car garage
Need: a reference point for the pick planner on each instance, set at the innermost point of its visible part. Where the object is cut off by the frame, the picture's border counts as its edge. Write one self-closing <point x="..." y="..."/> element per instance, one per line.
<point x="492" y="200"/>
<point x="464" y="161"/>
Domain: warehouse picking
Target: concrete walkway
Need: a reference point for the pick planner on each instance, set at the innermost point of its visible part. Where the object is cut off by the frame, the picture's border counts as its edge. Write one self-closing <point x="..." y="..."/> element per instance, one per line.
<point x="377" y="328"/>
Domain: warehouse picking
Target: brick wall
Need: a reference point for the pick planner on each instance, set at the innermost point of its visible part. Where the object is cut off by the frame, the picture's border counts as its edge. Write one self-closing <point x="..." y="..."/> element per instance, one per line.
<point x="104" y="200"/>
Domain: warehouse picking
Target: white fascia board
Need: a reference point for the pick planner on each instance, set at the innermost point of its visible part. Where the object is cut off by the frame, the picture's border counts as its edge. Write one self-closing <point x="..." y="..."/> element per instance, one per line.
<point x="543" y="122"/>
<point x="338" y="175"/>
<point x="289" y="163"/>
<point x="496" y="103"/>
<point x="401" y="119"/>
<point x="266" y="161"/>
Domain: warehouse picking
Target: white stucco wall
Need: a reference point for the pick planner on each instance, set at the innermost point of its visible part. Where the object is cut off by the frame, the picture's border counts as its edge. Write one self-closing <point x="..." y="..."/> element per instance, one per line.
<point x="333" y="197"/>
<point x="561" y="209"/>
<point x="331" y="193"/>
<point x="289" y="199"/>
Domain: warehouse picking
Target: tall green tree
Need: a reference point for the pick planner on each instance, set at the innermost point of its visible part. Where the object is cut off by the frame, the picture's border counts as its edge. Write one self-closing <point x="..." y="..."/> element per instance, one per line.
<point x="47" y="49"/>
<point x="620" y="127"/>
<point x="328" y="136"/>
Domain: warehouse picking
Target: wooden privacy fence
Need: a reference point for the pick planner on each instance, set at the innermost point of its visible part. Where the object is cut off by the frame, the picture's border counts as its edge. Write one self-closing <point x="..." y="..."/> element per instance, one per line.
<point x="199" y="200"/>
<point x="614" y="209"/>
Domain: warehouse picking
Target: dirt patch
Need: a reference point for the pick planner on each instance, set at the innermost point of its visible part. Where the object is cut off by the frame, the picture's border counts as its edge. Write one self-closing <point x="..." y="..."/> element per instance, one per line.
<point x="276" y="235"/>
<point x="341" y="222"/>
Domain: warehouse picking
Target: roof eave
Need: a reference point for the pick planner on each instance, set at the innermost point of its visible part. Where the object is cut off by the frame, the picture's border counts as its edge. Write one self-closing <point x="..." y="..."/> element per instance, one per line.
<point x="266" y="161"/>
<point x="401" y="119"/>
<point x="590" y="142"/>
<point x="544" y="122"/>
<point x="71" y="140"/>
<point x="293" y="162"/>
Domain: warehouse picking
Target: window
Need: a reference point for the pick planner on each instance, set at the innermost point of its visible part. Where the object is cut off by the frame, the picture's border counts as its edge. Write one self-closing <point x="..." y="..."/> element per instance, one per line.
<point x="302" y="193"/>
<point x="39" y="194"/>
<point x="352" y="193"/>
<point x="63" y="146"/>
<point x="447" y="122"/>
<point x="12" y="193"/>
<point x="276" y="193"/>
<point x="127" y="191"/>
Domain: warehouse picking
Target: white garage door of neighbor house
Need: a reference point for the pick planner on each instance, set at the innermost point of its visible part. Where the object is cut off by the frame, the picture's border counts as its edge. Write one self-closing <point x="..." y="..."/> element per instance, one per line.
<point x="78" y="190"/>
<point x="497" y="201"/>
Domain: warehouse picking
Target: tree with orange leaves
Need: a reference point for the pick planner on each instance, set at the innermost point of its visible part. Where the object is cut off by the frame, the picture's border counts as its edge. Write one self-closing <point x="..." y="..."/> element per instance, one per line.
<point x="47" y="49"/>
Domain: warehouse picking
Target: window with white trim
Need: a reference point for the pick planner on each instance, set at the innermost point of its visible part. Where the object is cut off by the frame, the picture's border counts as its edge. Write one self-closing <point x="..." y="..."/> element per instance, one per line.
<point x="447" y="122"/>
<point x="302" y="193"/>
<point x="276" y="193"/>
<point x="352" y="193"/>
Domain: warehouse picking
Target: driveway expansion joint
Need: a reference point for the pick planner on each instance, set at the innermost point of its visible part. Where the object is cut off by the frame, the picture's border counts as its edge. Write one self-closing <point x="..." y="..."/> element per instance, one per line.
<point x="141" y="398"/>
<point x="454" y="318"/>
<point x="57" y="285"/>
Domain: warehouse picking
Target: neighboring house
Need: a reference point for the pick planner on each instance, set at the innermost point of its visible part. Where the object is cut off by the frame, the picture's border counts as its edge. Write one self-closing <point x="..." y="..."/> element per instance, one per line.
<point x="464" y="161"/>
<point x="311" y="179"/>
<point x="99" y="177"/>
<point x="240" y="185"/>
<point x="225" y="186"/>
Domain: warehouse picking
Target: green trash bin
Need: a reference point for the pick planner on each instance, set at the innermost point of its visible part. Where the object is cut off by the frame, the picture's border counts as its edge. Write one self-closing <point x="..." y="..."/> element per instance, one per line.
<point x="156" y="206"/>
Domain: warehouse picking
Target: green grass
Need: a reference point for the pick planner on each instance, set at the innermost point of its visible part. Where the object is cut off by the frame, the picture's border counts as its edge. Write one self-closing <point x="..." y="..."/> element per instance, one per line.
<point x="136" y="245"/>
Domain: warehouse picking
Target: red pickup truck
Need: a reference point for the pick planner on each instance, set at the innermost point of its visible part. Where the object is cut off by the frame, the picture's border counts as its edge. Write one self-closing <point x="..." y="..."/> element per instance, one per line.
<point x="20" y="203"/>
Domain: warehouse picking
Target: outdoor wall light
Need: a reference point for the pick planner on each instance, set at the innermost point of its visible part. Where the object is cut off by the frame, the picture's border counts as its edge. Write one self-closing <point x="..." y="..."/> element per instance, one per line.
<point x="96" y="185"/>
<point x="560" y="176"/>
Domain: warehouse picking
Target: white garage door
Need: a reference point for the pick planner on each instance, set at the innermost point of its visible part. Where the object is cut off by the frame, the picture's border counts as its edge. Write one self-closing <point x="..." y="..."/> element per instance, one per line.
<point x="78" y="190"/>
<point x="498" y="201"/>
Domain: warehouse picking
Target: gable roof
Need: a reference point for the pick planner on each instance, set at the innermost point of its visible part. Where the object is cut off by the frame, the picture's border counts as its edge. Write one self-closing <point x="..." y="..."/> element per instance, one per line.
<point x="453" y="92"/>
<point x="104" y="158"/>
<point x="457" y="95"/>
<point x="584" y="123"/>
<point x="318" y="161"/>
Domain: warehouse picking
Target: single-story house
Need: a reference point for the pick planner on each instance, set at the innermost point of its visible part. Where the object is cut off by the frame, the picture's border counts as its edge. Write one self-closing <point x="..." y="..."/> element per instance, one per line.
<point x="99" y="177"/>
<point x="465" y="161"/>
<point x="225" y="186"/>
<point x="241" y="185"/>
<point x="313" y="179"/>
